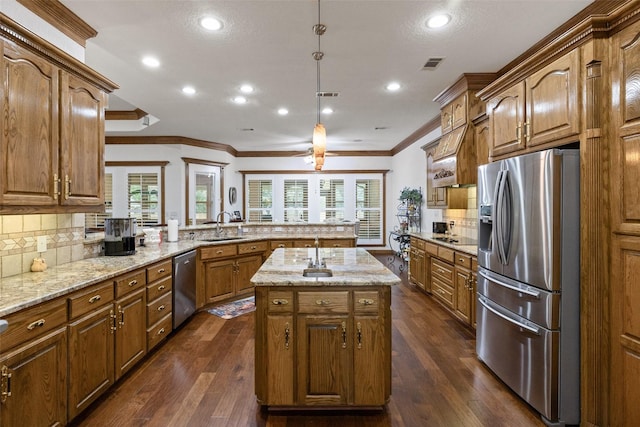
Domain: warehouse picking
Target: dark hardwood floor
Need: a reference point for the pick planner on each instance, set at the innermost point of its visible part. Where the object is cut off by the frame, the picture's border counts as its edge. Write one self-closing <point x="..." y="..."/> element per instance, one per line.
<point x="203" y="376"/>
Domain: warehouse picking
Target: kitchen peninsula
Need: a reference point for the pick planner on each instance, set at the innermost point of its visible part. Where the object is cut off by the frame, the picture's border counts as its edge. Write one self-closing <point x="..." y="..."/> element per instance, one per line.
<point x="323" y="342"/>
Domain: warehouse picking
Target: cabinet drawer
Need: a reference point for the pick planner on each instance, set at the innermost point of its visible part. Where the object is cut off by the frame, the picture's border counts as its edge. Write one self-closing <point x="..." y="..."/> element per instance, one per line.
<point x="446" y="254"/>
<point x="463" y="260"/>
<point x="218" y="251"/>
<point x="323" y="302"/>
<point x="417" y="243"/>
<point x="28" y="324"/>
<point x="336" y="243"/>
<point x="275" y="244"/>
<point x="159" y="288"/>
<point x="158" y="309"/>
<point x="159" y="270"/>
<point x="158" y="332"/>
<point x="253" y="247"/>
<point x="442" y="291"/>
<point x="431" y="248"/>
<point x="130" y="282"/>
<point x="280" y="301"/>
<point x="366" y="302"/>
<point x="84" y="301"/>
<point x="442" y="270"/>
<point x="304" y="243"/>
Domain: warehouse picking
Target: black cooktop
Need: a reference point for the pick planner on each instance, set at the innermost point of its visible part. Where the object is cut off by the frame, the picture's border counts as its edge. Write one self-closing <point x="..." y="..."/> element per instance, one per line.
<point x="456" y="240"/>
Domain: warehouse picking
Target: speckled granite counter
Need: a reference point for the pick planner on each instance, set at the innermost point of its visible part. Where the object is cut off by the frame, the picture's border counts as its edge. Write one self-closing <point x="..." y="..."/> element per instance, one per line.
<point x="466" y="245"/>
<point x="350" y="266"/>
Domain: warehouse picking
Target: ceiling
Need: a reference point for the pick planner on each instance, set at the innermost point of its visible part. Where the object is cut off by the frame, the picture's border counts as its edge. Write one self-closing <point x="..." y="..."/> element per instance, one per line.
<point x="269" y="44"/>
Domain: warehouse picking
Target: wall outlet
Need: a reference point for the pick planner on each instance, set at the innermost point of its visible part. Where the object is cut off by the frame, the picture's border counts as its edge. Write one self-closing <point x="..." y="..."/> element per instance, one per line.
<point x="42" y="243"/>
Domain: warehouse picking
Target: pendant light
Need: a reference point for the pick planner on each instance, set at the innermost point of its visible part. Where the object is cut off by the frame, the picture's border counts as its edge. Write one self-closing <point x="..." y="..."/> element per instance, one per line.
<point x="319" y="139"/>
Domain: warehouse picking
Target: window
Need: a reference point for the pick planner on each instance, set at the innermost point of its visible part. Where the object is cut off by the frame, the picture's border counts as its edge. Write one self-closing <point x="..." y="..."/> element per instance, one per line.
<point x="93" y="221"/>
<point x="143" y="195"/>
<point x="369" y="209"/>
<point x="296" y="200"/>
<point x="205" y="196"/>
<point x="260" y="200"/>
<point x="331" y="200"/>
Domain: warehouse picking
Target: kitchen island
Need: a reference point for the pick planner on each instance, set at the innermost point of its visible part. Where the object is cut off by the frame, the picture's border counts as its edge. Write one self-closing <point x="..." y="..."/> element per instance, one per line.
<point x="323" y="342"/>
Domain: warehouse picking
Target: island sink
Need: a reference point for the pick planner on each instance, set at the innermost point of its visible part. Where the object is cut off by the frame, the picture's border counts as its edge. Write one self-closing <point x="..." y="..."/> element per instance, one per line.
<point x="317" y="272"/>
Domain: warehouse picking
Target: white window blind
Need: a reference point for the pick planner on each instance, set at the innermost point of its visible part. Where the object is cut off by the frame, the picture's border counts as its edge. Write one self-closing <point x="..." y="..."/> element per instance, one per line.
<point x="260" y="200"/>
<point x="143" y="201"/>
<point x="296" y="200"/>
<point x="96" y="220"/>
<point x="369" y="209"/>
<point x="331" y="200"/>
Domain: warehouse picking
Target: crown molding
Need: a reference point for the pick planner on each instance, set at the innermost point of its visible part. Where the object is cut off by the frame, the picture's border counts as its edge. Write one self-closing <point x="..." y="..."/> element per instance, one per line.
<point x="136" y="114"/>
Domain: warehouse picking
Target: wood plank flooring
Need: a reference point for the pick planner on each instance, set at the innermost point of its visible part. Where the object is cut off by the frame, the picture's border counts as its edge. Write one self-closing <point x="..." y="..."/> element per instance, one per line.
<point x="203" y="376"/>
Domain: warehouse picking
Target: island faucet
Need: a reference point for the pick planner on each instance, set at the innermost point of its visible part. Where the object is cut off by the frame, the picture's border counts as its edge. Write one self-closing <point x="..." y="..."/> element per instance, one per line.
<point x="218" y="228"/>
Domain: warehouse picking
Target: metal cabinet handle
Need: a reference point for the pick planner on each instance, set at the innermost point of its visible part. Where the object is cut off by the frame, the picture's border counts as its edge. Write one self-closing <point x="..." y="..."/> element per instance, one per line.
<point x="121" y="311"/>
<point x="281" y="245"/>
<point x="287" y="333"/>
<point x="279" y="301"/>
<point x="133" y="282"/>
<point x="359" y="334"/>
<point x="344" y="334"/>
<point x="219" y="251"/>
<point x="253" y="248"/>
<point x="366" y="301"/>
<point x="113" y="327"/>
<point x="36" y="324"/>
<point x="161" y="288"/>
<point x="56" y="186"/>
<point x="162" y="270"/>
<point x="161" y="331"/>
<point x="161" y="307"/>
<point x="94" y="298"/>
<point x="323" y="302"/>
<point x="519" y="132"/>
<point x="5" y="384"/>
<point x="67" y="187"/>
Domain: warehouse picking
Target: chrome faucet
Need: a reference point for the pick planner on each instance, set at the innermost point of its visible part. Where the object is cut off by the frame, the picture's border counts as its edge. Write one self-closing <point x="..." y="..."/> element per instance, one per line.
<point x="218" y="228"/>
<point x="317" y="263"/>
<point x="316" y="243"/>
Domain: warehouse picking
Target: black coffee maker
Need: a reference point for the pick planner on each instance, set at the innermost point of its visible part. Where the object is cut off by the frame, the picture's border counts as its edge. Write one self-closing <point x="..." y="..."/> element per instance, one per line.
<point x="120" y="236"/>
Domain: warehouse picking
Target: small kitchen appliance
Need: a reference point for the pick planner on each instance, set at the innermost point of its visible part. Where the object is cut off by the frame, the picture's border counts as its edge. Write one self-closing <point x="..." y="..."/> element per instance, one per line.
<point x="439" y="227"/>
<point x="120" y="236"/>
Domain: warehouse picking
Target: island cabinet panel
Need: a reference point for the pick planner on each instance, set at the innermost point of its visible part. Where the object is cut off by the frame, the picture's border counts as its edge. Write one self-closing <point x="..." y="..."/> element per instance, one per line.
<point x="279" y="359"/>
<point x="368" y="361"/>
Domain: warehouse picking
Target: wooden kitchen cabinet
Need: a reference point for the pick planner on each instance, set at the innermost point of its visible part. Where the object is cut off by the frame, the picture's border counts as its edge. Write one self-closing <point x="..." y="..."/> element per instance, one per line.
<point x="543" y="109"/>
<point x="464" y="288"/>
<point x="159" y="302"/>
<point x="59" y="133"/>
<point x="91" y="345"/>
<point x="417" y="268"/>
<point x="323" y="348"/>
<point x="33" y="366"/>
<point x="130" y="309"/>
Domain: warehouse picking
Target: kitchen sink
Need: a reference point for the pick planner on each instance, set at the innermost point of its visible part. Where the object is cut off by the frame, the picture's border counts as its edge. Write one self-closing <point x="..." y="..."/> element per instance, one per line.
<point x="317" y="272"/>
<point x="221" y="239"/>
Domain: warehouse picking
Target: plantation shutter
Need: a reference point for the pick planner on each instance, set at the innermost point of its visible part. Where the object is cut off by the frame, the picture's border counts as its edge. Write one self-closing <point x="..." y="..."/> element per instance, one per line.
<point x="369" y="209"/>
<point x="96" y="220"/>
<point x="331" y="200"/>
<point x="260" y="200"/>
<point x="144" y="203"/>
<point x="296" y="200"/>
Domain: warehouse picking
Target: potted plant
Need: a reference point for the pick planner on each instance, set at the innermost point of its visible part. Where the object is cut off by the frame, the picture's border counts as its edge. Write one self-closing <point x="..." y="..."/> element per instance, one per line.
<point x="412" y="196"/>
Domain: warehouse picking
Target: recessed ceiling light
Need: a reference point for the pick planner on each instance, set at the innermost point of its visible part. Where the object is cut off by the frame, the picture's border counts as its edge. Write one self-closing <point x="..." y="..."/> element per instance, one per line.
<point x="240" y="100"/>
<point x="327" y="110"/>
<point x="211" y="23"/>
<point x="393" y="86"/>
<point x="283" y="111"/>
<point x="150" y="61"/>
<point x="437" y="21"/>
<point x="188" y="90"/>
<point x="246" y="88"/>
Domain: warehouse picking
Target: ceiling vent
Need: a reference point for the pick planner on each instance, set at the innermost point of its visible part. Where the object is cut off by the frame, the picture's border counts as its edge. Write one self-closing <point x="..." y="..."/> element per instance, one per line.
<point x="432" y="63"/>
<point x="327" y="94"/>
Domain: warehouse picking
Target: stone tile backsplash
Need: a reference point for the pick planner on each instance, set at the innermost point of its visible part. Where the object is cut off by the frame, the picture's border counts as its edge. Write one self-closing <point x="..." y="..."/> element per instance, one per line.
<point x="466" y="220"/>
<point x="18" y="240"/>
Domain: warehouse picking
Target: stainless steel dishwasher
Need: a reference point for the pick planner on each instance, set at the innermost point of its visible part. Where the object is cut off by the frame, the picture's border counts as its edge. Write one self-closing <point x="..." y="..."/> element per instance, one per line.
<point x="184" y="287"/>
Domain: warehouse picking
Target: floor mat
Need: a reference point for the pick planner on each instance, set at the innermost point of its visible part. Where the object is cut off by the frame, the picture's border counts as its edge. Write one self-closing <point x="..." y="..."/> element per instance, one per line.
<point x="234" y="309"/>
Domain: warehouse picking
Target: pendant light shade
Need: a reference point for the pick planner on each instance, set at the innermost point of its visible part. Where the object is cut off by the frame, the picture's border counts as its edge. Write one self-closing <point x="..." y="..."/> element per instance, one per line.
<point x="319" y="145"/>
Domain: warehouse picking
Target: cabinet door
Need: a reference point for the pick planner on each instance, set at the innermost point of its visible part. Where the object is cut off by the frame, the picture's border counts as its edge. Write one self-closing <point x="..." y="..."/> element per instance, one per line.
<point x="323" y="361"/>
<point x="463" y="298"/>
<point x="459" y="111"/>
<point x="28" y="130"/>
<point x="38" y="382"/>
<point x="552" y="101"/>
<point x="506" y="123"/>
<point x="446" y="118"/>
<point x="91" y="358"/>
<point x="81" y="142"/>
<point x="131" y="333"/>
<point x="279" y="364"/>
<point x="246" y="268"/>
<point x="219" y="279"/>
<point x="369" y="361"/>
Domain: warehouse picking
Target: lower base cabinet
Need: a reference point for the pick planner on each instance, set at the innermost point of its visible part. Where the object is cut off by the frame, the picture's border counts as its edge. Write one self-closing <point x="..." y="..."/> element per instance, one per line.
<point x="323" y="348"/>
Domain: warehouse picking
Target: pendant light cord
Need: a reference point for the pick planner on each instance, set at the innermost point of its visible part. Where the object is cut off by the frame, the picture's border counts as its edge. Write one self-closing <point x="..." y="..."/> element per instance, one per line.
<point x="318" y="69"/>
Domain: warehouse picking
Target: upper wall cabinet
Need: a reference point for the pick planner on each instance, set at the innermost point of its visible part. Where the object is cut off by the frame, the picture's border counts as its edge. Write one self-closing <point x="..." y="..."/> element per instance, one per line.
<point x="541" y="110"/>
<point x="52" y="132"/>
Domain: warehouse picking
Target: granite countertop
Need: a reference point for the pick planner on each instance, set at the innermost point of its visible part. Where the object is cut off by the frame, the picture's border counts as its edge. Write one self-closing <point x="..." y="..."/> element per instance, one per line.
<point x="463" y="244"/>
<point x="350" y="266"/>
<point x="29" y="289"/>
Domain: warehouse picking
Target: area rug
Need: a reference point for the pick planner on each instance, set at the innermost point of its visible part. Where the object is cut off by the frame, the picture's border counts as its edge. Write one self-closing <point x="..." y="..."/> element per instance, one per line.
<point x="234" y="308"/>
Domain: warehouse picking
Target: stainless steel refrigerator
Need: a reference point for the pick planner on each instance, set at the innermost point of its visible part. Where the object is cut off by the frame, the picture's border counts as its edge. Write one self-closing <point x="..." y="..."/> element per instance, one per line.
<point x="528" y="292"/>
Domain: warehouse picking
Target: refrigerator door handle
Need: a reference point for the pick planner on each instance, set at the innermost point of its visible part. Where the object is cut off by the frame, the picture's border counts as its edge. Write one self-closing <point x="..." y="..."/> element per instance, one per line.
<point x="500" y="216"/>
<point x="533" y="294"/>
<point x="528" y="328"/>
